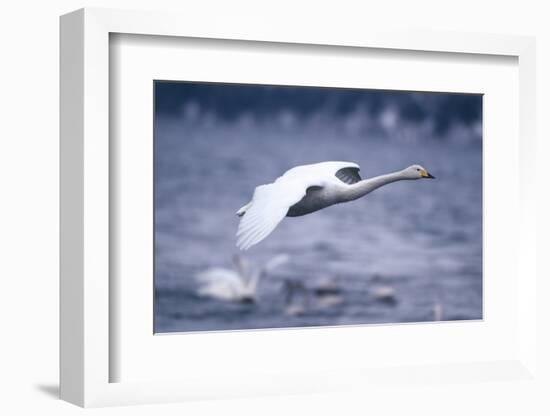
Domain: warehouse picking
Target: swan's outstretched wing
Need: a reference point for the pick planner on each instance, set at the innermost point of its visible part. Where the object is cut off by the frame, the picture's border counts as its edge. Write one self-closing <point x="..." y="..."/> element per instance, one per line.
<point x="217" y="274"/>
<point x="276" y="261"/>
<point x="267" y="209"/>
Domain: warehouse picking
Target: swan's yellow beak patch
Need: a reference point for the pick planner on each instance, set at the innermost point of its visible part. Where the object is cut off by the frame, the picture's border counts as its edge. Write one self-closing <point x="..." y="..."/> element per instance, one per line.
<point x="425" y="174"/>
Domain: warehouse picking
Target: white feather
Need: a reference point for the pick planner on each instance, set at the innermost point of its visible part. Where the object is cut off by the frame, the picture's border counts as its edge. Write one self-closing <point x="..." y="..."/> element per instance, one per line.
<point x="268" y="207"/>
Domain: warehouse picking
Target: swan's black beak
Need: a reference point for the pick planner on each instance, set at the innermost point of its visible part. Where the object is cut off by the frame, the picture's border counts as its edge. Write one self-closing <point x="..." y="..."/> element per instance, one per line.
<point x="429" y="175"/>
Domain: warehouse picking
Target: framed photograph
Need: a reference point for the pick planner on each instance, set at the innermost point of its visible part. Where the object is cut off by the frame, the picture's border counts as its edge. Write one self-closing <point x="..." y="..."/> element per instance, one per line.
<point x="320" y="199"/>
<point x="272" y="152"/>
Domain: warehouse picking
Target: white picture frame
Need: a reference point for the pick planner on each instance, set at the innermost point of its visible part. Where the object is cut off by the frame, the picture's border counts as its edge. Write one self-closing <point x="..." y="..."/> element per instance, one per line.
<point x="86" y="356"/>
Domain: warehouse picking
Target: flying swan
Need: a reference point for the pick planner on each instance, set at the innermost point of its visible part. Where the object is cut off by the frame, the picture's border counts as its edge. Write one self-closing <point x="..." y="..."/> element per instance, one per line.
<point x="306" y="189"/>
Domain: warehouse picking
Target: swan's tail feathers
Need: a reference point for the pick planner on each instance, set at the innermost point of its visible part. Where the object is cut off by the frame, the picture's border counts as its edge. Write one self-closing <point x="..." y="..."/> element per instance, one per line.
<point x="242" y="210"/>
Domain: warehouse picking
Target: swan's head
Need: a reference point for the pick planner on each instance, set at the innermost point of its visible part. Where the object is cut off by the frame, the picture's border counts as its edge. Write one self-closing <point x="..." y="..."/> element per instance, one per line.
<point x="416" y="172"/>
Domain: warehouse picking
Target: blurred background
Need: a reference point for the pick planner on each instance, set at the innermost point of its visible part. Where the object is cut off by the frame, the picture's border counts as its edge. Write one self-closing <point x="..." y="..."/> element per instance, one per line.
<point x="409" y="252"/>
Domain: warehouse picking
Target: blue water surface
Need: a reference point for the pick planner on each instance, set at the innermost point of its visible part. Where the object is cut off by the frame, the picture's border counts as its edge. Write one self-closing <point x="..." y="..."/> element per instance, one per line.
<point x="409" y="252"/>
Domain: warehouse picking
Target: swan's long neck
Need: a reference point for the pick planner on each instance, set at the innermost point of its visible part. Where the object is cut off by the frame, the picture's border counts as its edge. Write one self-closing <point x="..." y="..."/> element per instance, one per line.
<point x="366" y="186"/>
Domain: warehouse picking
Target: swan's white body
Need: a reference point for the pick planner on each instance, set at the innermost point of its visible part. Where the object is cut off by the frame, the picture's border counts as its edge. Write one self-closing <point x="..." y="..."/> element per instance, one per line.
<point x="306" y="189"/>
<point x="239" y="285"/>
<point x="224" y="284"/>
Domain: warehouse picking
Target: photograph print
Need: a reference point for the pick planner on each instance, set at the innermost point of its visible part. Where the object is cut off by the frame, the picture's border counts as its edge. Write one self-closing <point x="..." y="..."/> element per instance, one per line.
<point x="296" y="206"/>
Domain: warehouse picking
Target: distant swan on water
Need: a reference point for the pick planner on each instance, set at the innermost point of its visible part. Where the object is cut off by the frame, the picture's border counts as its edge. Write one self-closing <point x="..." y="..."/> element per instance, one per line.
<point x="239" y="285"/>
<point x="306" y="189"/>
<point x="300" y="298"/>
